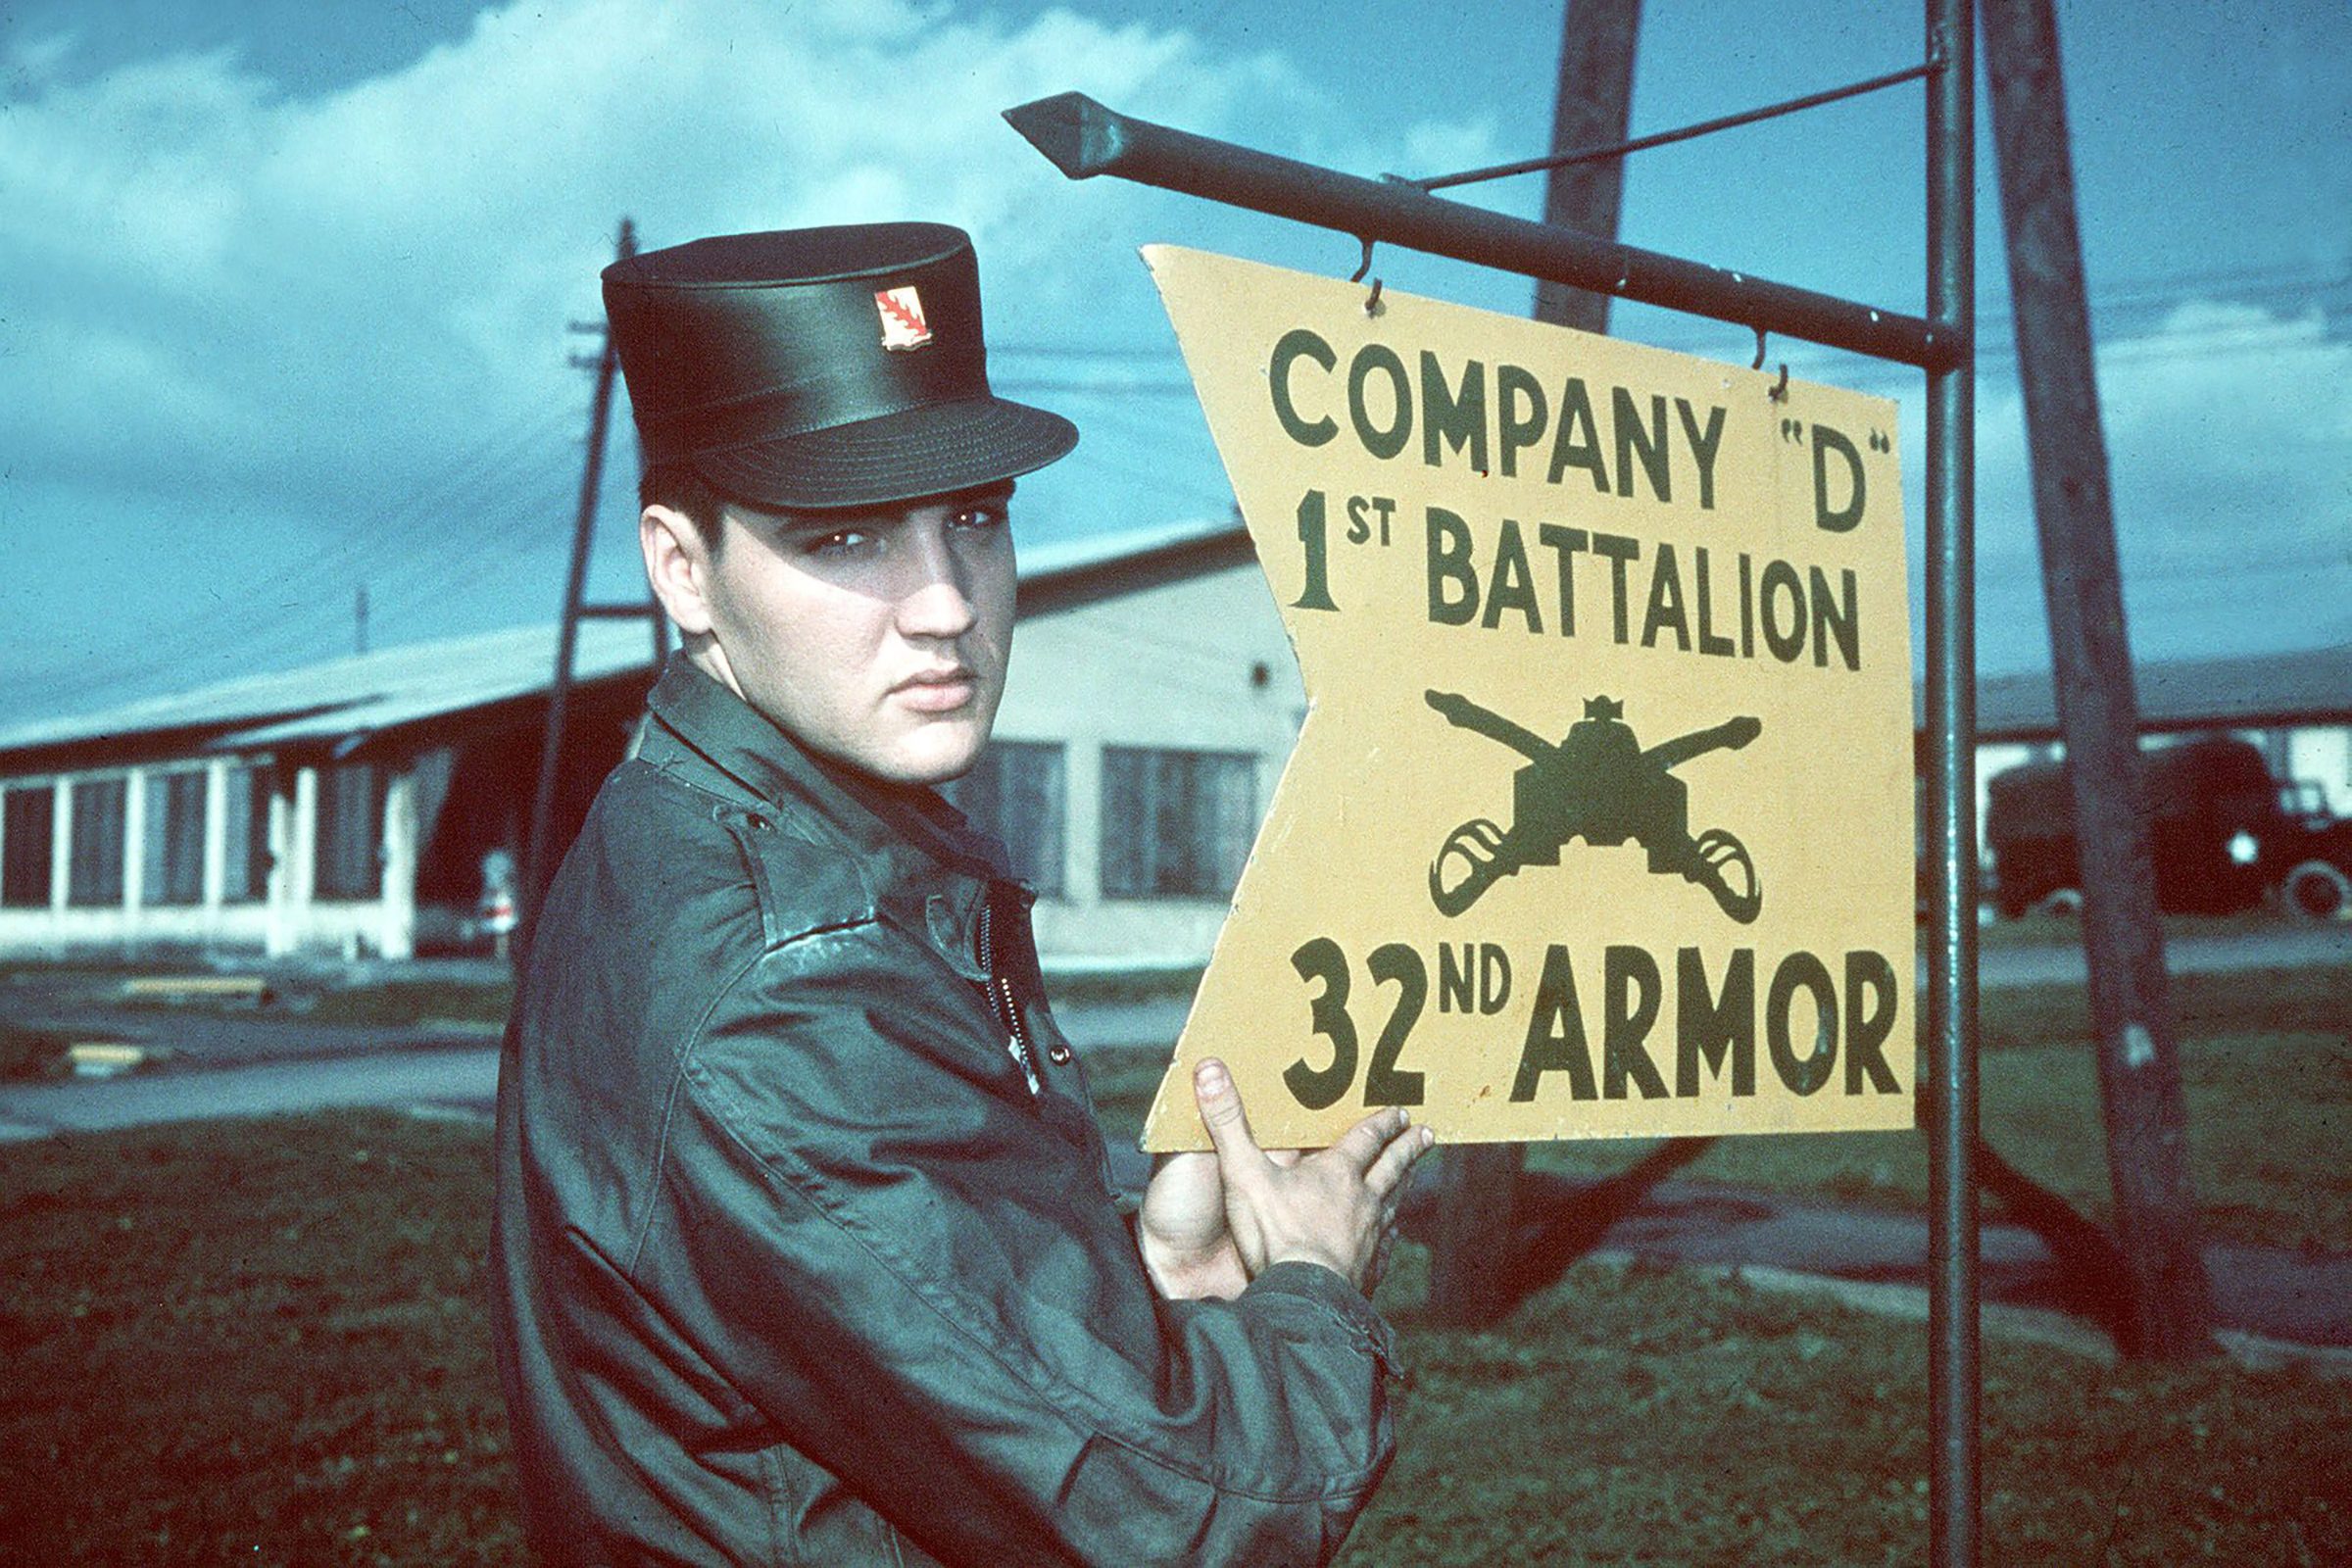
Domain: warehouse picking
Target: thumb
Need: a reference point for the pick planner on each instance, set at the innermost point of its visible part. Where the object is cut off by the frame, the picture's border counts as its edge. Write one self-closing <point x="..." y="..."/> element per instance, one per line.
<point x="1228" y="1124"/>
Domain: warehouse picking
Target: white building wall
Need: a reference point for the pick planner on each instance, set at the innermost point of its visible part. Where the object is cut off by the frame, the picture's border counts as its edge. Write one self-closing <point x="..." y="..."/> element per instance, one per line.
<point x="216" y="845"/>
<point x="282" y="932"/>
<point x="288" y="920"/>
<point x="1200" y="664"/>
<point x="395" y="935"/>
<point x="134" y="850"/>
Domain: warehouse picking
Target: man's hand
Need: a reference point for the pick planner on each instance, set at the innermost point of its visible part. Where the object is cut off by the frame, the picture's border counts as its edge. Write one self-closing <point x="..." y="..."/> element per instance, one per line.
<point x="1181" y="1231"/>
<point x="1336" y="1208"/>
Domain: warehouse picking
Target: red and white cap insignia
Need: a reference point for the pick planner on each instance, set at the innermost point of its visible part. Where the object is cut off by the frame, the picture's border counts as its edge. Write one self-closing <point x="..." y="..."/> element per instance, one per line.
<point x="902" y="313"/>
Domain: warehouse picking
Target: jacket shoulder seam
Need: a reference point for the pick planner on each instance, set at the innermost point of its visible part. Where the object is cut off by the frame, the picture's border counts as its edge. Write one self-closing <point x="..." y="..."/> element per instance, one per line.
<point x="678" y="1074"/>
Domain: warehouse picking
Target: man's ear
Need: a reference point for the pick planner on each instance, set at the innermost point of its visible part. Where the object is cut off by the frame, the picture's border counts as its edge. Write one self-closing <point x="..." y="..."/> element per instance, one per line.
<point x="678" y="563"/>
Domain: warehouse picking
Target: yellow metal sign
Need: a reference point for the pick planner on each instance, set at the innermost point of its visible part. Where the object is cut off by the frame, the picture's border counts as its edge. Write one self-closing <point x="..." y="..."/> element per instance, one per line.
<point x="1600" y="821"/>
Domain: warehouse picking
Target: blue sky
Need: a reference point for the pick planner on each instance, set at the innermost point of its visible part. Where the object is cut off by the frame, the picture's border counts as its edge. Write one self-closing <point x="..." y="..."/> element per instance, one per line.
<point x="285" y="289"/>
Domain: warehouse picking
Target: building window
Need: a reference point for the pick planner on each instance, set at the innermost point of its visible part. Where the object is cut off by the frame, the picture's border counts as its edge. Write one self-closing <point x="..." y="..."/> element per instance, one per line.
<point x="29" y="813"/>
<point x="351" y="832"/>
<point x="94" y="870"/>
<point x="245" y="836"/>
<point x="1014" y="791"/>
<point x="174" y="829"/>
<point x="1176" y="825"/>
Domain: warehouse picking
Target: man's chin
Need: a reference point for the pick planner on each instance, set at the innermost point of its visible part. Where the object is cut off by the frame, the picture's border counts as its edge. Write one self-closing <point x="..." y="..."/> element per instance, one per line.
<point x="935" y="754"/>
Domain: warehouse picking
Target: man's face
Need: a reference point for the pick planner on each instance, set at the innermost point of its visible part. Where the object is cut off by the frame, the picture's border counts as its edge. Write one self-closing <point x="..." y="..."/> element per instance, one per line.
<point x="878" y="638"/>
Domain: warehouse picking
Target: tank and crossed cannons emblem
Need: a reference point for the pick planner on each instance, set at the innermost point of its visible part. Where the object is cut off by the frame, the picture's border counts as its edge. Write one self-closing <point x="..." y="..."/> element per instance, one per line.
<point x="1597" y="783"/>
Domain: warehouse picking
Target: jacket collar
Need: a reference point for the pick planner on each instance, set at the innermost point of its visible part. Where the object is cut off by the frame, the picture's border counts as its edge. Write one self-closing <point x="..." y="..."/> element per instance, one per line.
<point x="879" y="820"/>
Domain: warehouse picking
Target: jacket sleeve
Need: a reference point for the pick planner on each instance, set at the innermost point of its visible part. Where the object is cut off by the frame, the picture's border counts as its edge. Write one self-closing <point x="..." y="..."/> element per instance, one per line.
<point x="921" y="1280"/>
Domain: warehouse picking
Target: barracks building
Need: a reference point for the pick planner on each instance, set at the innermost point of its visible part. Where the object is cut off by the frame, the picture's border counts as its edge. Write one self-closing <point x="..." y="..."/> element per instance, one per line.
<point x="375" y="806"/>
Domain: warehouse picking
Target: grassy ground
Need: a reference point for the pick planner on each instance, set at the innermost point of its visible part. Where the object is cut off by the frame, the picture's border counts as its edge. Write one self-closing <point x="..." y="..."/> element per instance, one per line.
<point x="263" y="1342"/>
<point x="1658" y="1417"/>
<point x="2034" y="930"/>
<point x="30" y="1053"/>
<point x="250" y="1342"/>
<point x="2269" y="1119"/>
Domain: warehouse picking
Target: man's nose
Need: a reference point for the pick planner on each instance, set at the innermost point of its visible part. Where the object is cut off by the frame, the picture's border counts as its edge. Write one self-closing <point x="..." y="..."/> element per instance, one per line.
<point x="936" y="599"/>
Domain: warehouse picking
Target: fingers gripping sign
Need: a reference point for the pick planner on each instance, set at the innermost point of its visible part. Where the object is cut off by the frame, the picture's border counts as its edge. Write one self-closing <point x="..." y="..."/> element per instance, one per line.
<point x="1335" y="1208"/>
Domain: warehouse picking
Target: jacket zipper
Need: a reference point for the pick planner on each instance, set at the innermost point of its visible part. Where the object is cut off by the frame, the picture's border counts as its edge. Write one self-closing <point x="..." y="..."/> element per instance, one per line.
<point x="1000" y="991"/>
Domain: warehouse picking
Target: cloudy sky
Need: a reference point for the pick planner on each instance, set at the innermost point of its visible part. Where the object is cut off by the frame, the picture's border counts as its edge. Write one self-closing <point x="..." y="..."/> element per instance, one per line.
<point x="286" y="289"/>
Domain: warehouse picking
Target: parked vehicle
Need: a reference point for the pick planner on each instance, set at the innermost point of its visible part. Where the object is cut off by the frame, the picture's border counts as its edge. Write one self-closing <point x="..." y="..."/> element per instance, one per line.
<point x="2224" y="834"/>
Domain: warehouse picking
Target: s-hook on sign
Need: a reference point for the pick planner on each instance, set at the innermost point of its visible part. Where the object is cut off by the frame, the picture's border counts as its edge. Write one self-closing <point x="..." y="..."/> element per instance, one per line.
<point x="1600" y="823"/>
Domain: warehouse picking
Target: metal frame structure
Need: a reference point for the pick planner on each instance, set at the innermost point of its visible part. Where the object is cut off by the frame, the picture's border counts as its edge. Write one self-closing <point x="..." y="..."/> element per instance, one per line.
<point x="1083" y="139"/>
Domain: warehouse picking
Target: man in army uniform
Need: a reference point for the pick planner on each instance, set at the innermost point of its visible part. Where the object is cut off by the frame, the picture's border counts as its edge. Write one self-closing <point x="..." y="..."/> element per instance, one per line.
<point x="805" y="1248"/>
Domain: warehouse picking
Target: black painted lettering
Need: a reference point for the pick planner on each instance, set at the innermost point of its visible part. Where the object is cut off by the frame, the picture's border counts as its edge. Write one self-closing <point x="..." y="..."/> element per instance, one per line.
<point x="1384" y="1083"/>
<point x="1514" y="387"/>
<point x="1703" y="445"/>
<point x="1454" y="415"/>
<point x="1620" y="550"/>
<point x="1640" y="443"/>
<point x="1317" y="1088"/>
<point x="1802" y="971"/>
<point x="1288" y="349"/>
<point x="1836" y="519"/>
<point x="1555" y="1034"/>
<point x="1565" y="544"/>
<point x="1709" y="641"/>
<point x="1748" y="606"/>
<point x="1315" y="592"/>
<point x="1371" y="361"/>
<point x="1455" y="976"/>
<point x="1629" y="976"/>
<point x="1786" y="640"/>
<point x="1575" y="441"/>
<point x="1493" y="979"/>
<point x="1711" y="1027"/>
<point x="1453" y="579"/>
<point x="1868" y="1024"/>
<point x="1510" y="586"/>
<point x="1836" y="620"/>
<point x="1665" y="612"/>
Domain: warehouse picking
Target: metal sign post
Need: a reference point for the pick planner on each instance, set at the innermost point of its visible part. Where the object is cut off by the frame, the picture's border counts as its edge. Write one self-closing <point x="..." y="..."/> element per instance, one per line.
<point x="1083" y="139"/>
<point x="1955" y="1374"/>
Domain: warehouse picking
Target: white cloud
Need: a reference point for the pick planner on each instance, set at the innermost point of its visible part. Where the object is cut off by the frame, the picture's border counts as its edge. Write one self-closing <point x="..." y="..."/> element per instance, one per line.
<point x="244" y="318"/>
<point x="400" y="256"/>
<point x="2229" y="433"/>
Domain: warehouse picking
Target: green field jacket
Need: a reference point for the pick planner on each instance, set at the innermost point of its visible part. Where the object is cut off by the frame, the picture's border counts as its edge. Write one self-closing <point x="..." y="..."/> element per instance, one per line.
<point x="791" y="1262"/>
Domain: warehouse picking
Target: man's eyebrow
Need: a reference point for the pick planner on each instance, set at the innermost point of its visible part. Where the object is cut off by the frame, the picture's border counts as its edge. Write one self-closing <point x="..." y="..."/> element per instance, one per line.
<point x="829" y="521"/>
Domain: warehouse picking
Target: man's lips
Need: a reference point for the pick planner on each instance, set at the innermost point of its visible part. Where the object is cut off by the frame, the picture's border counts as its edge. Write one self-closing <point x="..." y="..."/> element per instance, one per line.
<point x="937" y="691"/>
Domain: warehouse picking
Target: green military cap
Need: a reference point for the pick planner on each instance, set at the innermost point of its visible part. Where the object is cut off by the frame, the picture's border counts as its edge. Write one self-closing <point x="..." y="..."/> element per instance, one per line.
<point x="818" y="367"/>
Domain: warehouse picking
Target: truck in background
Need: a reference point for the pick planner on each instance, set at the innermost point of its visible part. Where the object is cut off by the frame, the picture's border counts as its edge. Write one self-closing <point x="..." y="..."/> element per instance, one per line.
<point x="2226" y="834"/>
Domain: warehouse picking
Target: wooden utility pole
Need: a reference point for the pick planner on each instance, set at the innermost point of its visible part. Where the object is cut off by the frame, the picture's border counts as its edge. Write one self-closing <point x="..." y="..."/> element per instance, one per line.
<point x="1473" y="1248"/>
<point x="539" y="858"/>
<point x="1594" y="109"/>
<point x="2140" y="1065"/>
